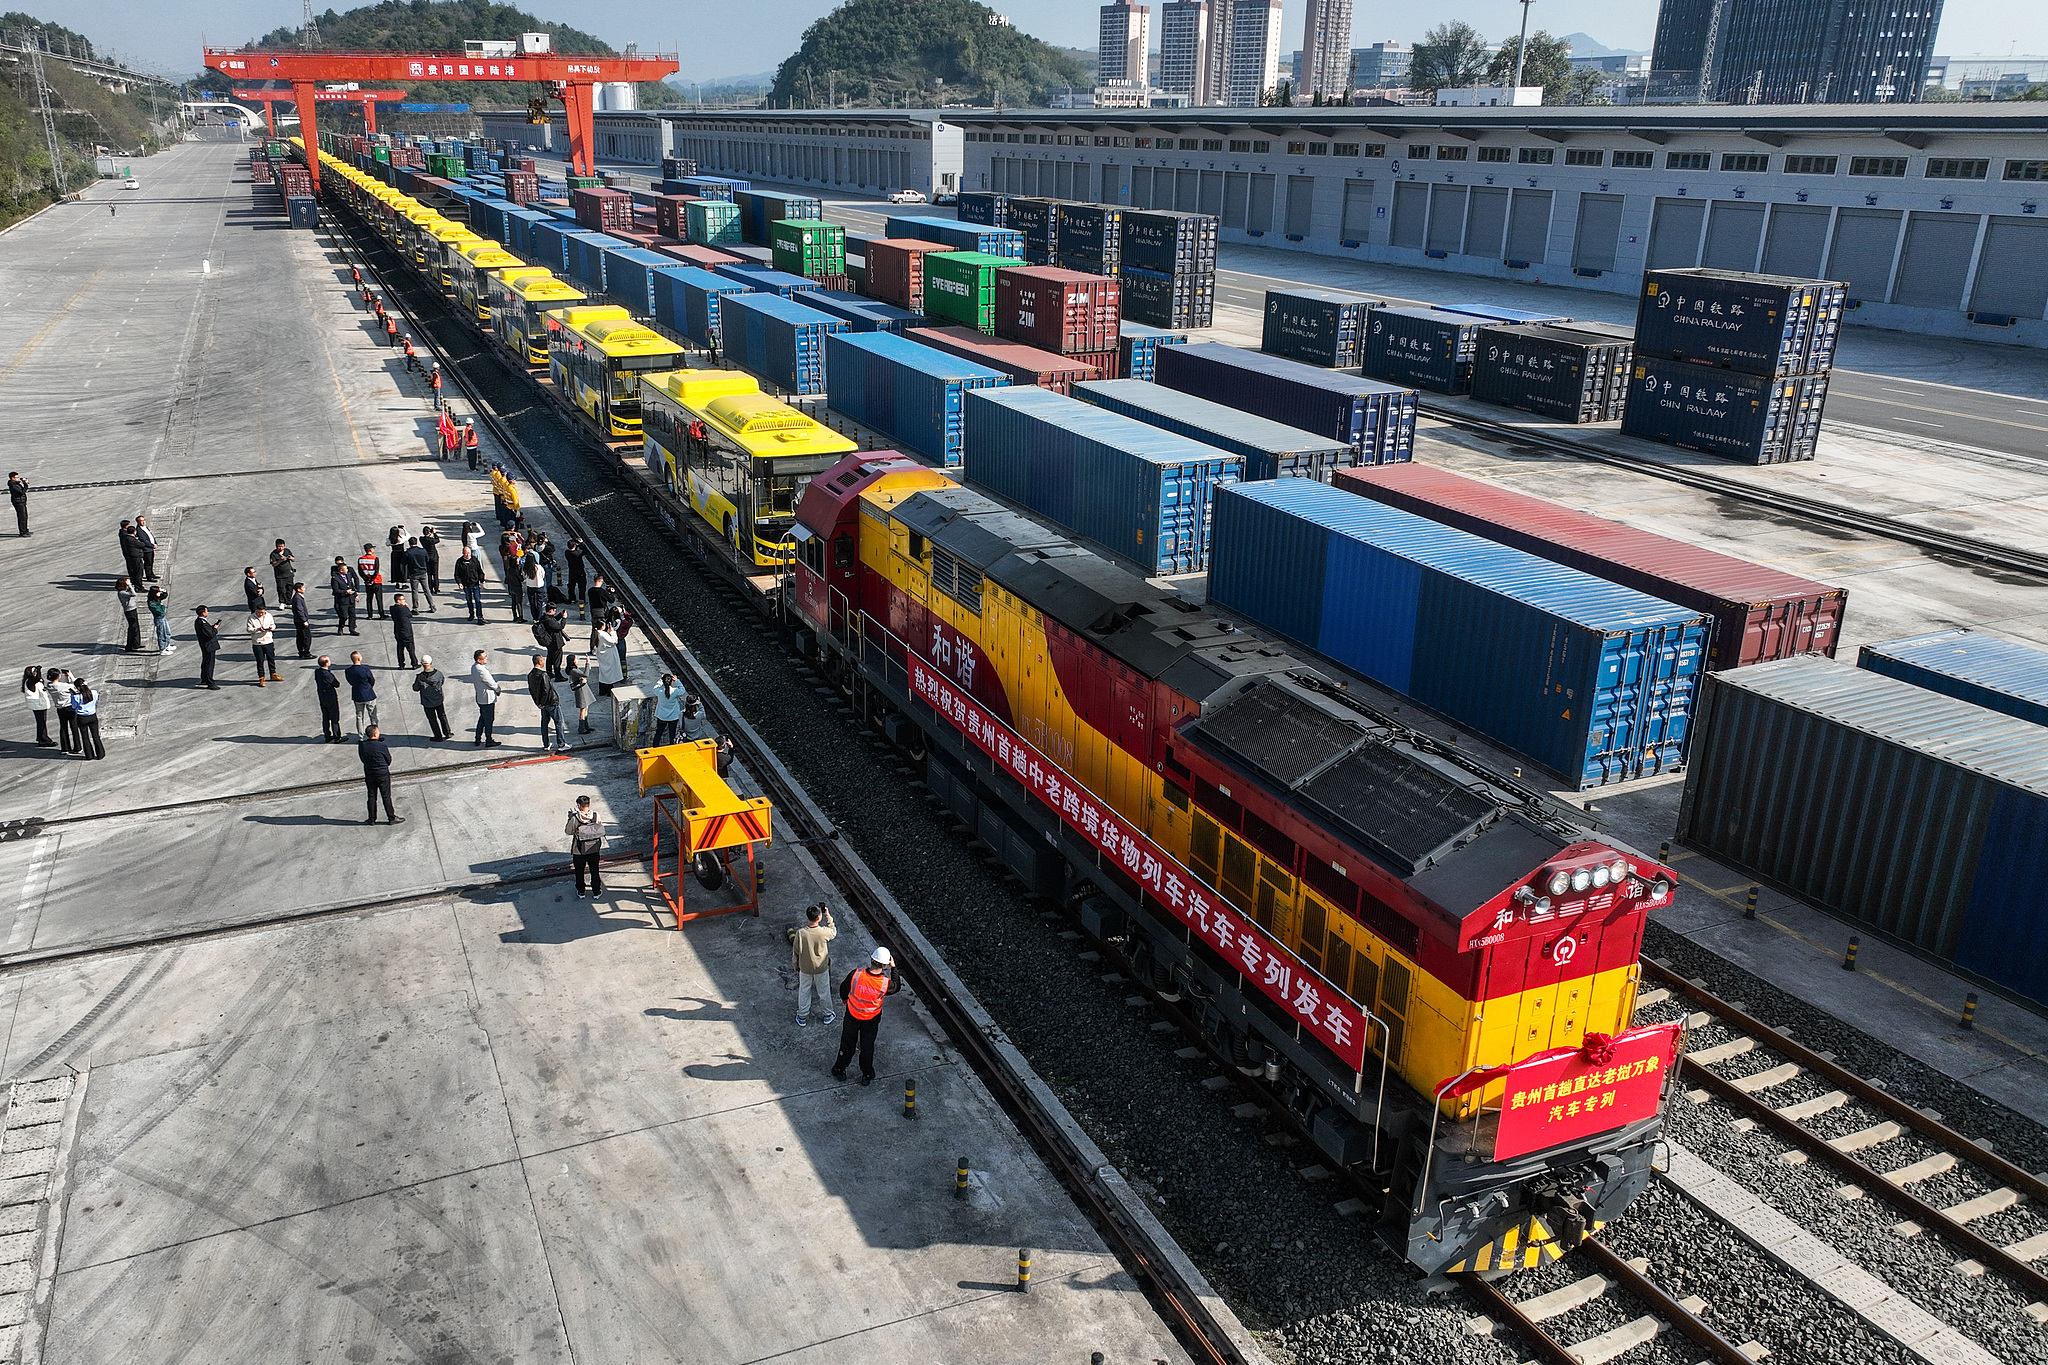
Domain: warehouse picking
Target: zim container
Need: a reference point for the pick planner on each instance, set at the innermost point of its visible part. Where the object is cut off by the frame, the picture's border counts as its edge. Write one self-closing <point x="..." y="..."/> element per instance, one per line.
<point x="809" y="247"/>
<point x="912" y="394"/>
<point x="1421" y="348"/>
<point x="1025" y="365"/>
<point x="1557" y="372"/>
<point x="1376" y="420"/>
<point x="961" y="287"/>
<point x="1759" y="613"/>
<point x="895" y="269"/>
<point x="1138" y="346"/>
<point x="777" y="341"/>
<point x="1140" y="492"/>
<point x="1769" y="325"/>
<point x="708" y="222"/>
<point x="1591" y="680"/>
<point x="686" y="302"/>
<point x="761" y="209"/>
<point x="863" y="314"/>
<point x="958" y="236"/>
<point x="1746" y="417"/>
<point x="985" y="208"/>
<point x="1917" y="815"/>
<point x="767" y="279"/>
<point x="1998" y="675"/>
<point x="1317" y="326"/>
<point x="1057" y="310"/>
<point x="1270" y="450"/>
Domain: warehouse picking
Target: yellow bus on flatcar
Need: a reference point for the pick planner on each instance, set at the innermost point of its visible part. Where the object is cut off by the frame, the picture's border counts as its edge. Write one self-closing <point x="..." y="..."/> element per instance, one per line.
<point x="445" y="242"/>
<point x="520" y="307"/>
<point x="474" y="265"/>
<point x="596" y="356"/>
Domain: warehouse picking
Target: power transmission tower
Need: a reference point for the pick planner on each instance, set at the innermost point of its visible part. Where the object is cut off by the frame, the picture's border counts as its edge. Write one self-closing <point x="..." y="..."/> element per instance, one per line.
<point x="309" y="32"/>
<point x="43" y="98"/>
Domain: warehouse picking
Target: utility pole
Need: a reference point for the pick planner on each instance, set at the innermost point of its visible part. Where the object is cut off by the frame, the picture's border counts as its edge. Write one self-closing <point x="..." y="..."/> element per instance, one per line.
<point x="34" y="43"/>
<point x="832" y="89"/>
<point x="309" y="32"/>
<point x="1521" y="48"/>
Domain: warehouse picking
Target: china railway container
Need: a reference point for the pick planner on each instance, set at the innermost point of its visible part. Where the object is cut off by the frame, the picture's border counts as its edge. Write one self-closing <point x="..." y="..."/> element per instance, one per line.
<point x="1747" y="417"/>
<point x="713" y="186"/>
<point x="702" y="256"/>
<point x="1270" y="450"/>
<point x="1178" y="301"/>
<point x="1591" y="680"/>
<point x="776" y="340"/>
<point x="1422" y="348"/>
<point x="1140" y="492"/>
<point x="1138" y="345"/>
<point x="766" y="279"/>
<point x="809" y="247"/>
<point x="760" y="209"/>
<point x="1057" y="310"/>
<point x="961" y="287"/>
<point x="710" y="222"/>
<point x="1769" y="325"/>
<point x="677" y="167"/>
<point x="1090" y="233"/>
<point x="912" y="394"/>
<point x="1998" y="675"/>
<point x="958" y="236"/>
<point x="629" y="277"/>
<point x="602" y="210"/>
<point x="1557" y="372"/>
<point x="1025" y="365"/>
<point x="1511" y="317"/>
<point x="863" y="314"/>
<point x="1033" y="221"/>
<point x="1376" y="420"/>
<point x="1169" y="244"/>
<point x="686" y="302"/>
<point x="1758" y="613"/>
<point x="1317" y="326"/>
<point x="984" y="207"/>
<point x="1890" y="806"/>
<point x="895" y="269"/>
<point x="302" y="211"/>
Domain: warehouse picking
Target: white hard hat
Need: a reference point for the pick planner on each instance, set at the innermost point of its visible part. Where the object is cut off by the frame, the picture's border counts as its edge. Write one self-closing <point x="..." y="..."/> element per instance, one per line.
<point x="882" y="958"/>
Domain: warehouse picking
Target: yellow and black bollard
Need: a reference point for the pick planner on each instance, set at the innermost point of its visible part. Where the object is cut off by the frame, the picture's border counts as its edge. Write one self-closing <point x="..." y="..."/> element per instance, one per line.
<point x="1024" y="1270"/>
<point x="910" y="1097"/>
<point x="1749" y="906"/>
<point x="1970" y="1010"/>
<point x="1664" y="852"/>
<point x="960" y="1170"/>
<point x="1849" y="958"/>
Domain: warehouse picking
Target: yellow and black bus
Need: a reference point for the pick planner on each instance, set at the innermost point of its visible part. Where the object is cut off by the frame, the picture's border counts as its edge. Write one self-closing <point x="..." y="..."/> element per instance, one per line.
<point x="444" y="244"/>
<point x="521" y="306"/>
<point x="740" y="458"/>
<point x="596" y="356"/>
<point x="474" y="266"/>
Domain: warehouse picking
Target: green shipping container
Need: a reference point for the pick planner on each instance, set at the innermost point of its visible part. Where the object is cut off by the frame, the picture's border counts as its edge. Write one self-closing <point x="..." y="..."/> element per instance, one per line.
<point x="960" y="286"/>
<point x="382" y="154"/>
<point x="808" y="247"/>
<point x="711" y="222"/>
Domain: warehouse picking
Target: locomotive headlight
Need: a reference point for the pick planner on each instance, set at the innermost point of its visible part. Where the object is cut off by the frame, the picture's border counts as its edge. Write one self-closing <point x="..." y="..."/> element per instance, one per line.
<point x="1560" y="882"/>
<point x="1617" y="871"/>
<point x="1601" y="875"/>
<point x="1581" y="880"/>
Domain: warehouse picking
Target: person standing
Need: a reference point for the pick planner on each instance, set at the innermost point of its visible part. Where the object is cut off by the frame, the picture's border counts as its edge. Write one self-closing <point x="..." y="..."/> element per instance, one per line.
<point x="371" y="579"/>
<point x="508" y="559"/>
<point x="281" y="571"/>
<point x="124" y="593"/>
<point x="62" y="697"/>
<point x="487" y="693"/>
<point x="811" y="955"/>
<point x="302" y="621"/>
<point x="604" y="655"/>
<point x="469" y="443"/>
<point x="146" y="539"/>
<point x="35" y="693"/>
<point x="17" y="493"/>
<point x="329" y="689"/>
<point x="262" y="630"/>
<point x="551" y="632"/>
<point x="579" y="695"/>
<point x="430" y="541"/>
<point x="85" y="705"/>
<point x="600" y="600"/>
<point x="252" y="589"/>
<point x="576" y="588"/>
<point x="535" y="578"/>
<point x="416" y="572"/>
<point x="131" y="551"/>
<point x="668" y="710"/>
<point x="362" y="690"/>
<point x="342" y="582"/>
<point x="432" y="685"/>
<point x="864" y="990"/>
<point x="208" y="631"/>
<point x="469" y="576"/>
<point x="159" y="604"/>
<point x="586" y="847"/>
<point x="548" y="701"/>
<point x="401" y="631"/>
<point x="622" y="622"/>
<point x="376" y="757"/>
<point x="473" y="537"/>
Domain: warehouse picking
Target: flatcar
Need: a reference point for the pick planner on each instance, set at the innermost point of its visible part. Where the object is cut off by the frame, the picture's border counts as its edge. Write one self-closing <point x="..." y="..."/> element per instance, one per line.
<point x="596" y="356"/>
<point x="740" y="458"/>
<point x="520" y="309"/>
<point x="1432" y="964"/>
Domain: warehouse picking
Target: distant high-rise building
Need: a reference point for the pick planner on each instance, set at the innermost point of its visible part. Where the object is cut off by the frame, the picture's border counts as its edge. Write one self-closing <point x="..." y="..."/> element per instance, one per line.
<point x="1326" y="50"/>
<point x="1125" y="44"/>
<point x="1381" y="66"/>
<point x="1184" y="65"/>
<point x="1796" y="51"/>
<point x="1252" y="59"/>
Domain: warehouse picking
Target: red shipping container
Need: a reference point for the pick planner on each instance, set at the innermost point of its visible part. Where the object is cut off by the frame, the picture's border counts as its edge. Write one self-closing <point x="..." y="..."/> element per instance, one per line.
<point x="1109" y="362"/>
<point x="647" y="239"/>
<point x="603" y="210"/>
<point x="670" y="213"/>
<point x="1024" y="364"/>
<point x="526" y="165"/>
<point x="1058" y="310"/>
<point x="705" y="256"/>
<point x="1759" y="613"/>
<point x="896" y="270"/>
<point x="522" y="187"/>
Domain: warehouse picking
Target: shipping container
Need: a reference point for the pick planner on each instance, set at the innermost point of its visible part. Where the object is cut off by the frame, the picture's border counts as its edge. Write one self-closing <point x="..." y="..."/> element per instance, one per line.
<point x="759" y="208"/>
<point x="1563" y="373"/>
<point x="767" y="279"/>
<point x="958" y="236"/>
<point x="1141" y="493"/>
<point x="1998" y="675"/>
<point x="1745" y="417"/>
<point x="809" y="247"/>
<point x="1317" y="326"/>
<point x="1377" y="420"/>
<point x="1089" y="233"/>
<point x="1025" y="365"/>
<point x="863" y="314"/>
<point x="585" y="252"/>
<point x="1893" y="807"/>
<point x="1591" y="680"/>
<point x="1512" y="317"/>
<point x="703" y="256"/>
<point x="522" y="187"/>
<point x="1183" y="301"/>
<point x="1169" y="244"/>
<point x="912" y="394"/>
<point x="1033" y="221"/>
<point x="776" y="340"/>
<point x="1422" y="348"/>
<point x="602" y="210"/>
<point x="708" y="222"/>
<point x="1768" y="325"/>
<point x="1057" y="310"/>
<point x="629" y="275"/>
<point x="1759" y="613"/>
<point x="302" y="211"/>
<point x="518" y="232"/>
<point x="712" y="186"/>
<point x="686" y="302"/>
<point x="672" y="216"/>
<point x="895" y="269"/>
<point x="961" y="286"/>
<point x="1137" y="345"/>
<point x="985" y="208"/>
<point x="548" y="246"/>
<point x="677" y="167"/>
<point x="1270" y="449"/>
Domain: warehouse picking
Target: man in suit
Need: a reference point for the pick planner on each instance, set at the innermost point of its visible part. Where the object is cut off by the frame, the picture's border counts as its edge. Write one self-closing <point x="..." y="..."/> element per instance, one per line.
<point x="329" y="688"/>
<point x="376" y="757"/>
<point x="401" y="631"/>
<point x="362" y="690"/>
<point x="208" y="631"/>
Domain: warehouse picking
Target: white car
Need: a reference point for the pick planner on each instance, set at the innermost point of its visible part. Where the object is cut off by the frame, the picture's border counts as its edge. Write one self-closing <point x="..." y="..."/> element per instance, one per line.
<point x="131" y="185"/>
<point x="907" y="197"/>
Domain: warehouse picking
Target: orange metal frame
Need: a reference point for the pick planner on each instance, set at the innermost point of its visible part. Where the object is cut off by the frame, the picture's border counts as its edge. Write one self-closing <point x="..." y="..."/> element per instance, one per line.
<point x="702" y="816"/>
<point x="673" y="885"/>
<point x="369" y="99"/>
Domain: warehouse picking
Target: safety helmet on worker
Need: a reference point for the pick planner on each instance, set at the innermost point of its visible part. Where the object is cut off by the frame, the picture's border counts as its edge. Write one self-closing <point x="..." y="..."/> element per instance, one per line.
<point x="881" y="957"/>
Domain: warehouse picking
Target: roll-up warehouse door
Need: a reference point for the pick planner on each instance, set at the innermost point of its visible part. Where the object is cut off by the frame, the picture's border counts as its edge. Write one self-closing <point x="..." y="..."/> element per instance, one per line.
<point x="1411" y="210"/>
<point x="1446" y="218"/>
<point x="1141" y="187"/>
<point x="1529" y="227"/>
<point x="1112" y="185"/>
<point x="1212" y="193"/>
<point x="1301" y="205"/>
<point x="1188" y="192"/>
<point x="1236" y="190"/>
<point x="1865" y="242"/>
<point x="1259" y="217"/>
<point x="1675" y="234"/>
<point x="1063" y="180"/>
<point x="1735" y="229"/>
<point x="1936" y="259"/>
<point x="1599" y="231"/>
<point x="1357" y="210"/>
<point x="2012" y="273"/>
<point x="1486" y="222"/>
<point x="1797" y="240"/>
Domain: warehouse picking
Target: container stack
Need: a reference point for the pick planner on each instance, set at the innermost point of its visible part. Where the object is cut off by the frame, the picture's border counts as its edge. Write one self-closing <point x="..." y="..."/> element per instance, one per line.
<point x="1033" y="220"/>
<point x="676" y="167"/>
<point x="1026" y="366"/>
<point x="986" y="208"/>
<point x="1089" y="237"/>
<point x="1317" y="326"/>
<point x="958" y="236"/>
<point x="603" y="210"/>
<point x="711" y="222"/>
<point x="960" y="286"/>
<point x="761" y="209"/>
<point x="1421" y="348"/>
<point x="809" y="247"/>
<point x="1066" y="312"/>
<point x="1733" y="364"/>
<point x="1376" y="420"/>
<point x="1168" y="268"/>
<point x="1138" y="348"/>
<point x="1569" y="372"/>
<point x="776" y="340"/>
<point x="912" y="394"/>
<point x="895" y="270"/>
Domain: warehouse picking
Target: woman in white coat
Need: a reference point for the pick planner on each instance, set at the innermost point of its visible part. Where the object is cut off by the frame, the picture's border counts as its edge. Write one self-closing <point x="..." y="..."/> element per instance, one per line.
<point x="605" y="655"/>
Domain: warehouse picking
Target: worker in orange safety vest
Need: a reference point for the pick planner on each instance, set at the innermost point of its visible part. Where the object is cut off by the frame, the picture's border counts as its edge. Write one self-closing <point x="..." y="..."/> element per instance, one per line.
<point x="863" y="991"/>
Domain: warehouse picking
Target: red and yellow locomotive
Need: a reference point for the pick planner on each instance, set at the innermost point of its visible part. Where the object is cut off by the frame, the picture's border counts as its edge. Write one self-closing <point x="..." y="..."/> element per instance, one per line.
<point x="1433" y="964"/>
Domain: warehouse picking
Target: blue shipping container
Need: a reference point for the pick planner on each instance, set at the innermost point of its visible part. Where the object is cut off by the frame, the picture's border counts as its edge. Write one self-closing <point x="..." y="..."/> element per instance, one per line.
<point x="959" y="236"/>
<point x="1998" y="675"/>
<point x="759" y="208"/>
<point x="767" y="279"/>
<point x="1140" y="344"/>
<point x="1493" y="314"/>
<point x="1270" y="449"/>
<point x="686" y="300"/>
<point x="864" y="314"/>
<point x="912" y="394"/>
<point x="1376" y="420"/>
<point x="551" y="245"/>
<point x="776" y="341"/>
<point x="1594" y="681"/>
<point x="629" y="273"/>
<point x="586" y="258"/>
<point x="1142" y="493"/>
<point x="713" y="186"/>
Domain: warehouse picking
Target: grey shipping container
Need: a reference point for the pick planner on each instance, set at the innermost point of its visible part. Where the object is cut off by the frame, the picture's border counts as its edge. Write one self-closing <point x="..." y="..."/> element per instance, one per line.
<point x="1916" y="815"/>
<point x="1998" y="675"/>
<point x="984" y="207"/>
<point x="1556" y="372"/>
<point x="1317" y="326"/>
<point x="1270" y="450"/>
<point x="1755" y="324"/>
<point x="1138" y="347"/>
<point x="1377" y="420"/>
<point x="1169" y="243"/>
<point x="1746" y="417"/>
<point x="1422" y="348"/>
<point x="1140" y="492"/>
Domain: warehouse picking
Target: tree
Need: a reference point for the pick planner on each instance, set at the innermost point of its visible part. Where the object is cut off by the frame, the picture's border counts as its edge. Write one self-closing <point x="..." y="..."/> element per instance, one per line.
<point x="1280" y="96"/>
<point x="1448" y="57"/>
<point x="1549" y="65"/>
<point x="1583" y="88"/>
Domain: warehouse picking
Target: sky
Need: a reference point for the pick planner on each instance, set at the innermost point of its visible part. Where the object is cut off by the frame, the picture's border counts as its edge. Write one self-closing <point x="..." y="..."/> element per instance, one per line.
<point x="165" y="35"/>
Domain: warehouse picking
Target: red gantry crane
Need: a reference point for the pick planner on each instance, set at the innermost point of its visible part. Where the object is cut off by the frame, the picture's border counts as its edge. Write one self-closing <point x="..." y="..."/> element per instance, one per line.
<point x="570" y="78"/>
<point x="369" y="99"/>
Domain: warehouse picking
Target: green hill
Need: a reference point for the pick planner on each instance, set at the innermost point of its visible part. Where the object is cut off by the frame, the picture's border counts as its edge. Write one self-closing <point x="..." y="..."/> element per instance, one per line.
<point x="920" y="53"/>
<point x="88" y="115"/>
